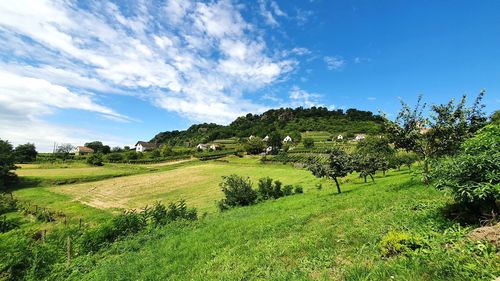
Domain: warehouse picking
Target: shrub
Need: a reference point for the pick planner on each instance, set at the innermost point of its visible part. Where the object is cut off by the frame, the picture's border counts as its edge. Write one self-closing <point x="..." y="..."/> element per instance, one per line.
<point x="6" y="164"/>
<point x="298" y="189"/>
<point x="95" y="159"/>
<point x="287" y="190"/>
<point x="308" y="143"/>
<point x="7" y="203"/>
<point x="396" y="242"/>
<point x="8" y="224"/>
<point x="277" y="192"/>
<point x="473" y="175"/>
<point x="238" y="192"/>
<point x="114" y="157"/>
<point x="265" y="188"/>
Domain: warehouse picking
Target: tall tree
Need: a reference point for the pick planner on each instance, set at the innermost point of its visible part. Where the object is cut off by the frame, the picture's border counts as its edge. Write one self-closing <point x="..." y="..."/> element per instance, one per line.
<point x="63" y="150"/>
<point x="337" y="166"/>
<point x="6" y="163"/>
<point x="25" y="153"/>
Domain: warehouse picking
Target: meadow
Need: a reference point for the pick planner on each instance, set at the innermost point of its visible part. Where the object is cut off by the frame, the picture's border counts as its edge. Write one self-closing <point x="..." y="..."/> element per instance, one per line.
<point x="318" y="235"/>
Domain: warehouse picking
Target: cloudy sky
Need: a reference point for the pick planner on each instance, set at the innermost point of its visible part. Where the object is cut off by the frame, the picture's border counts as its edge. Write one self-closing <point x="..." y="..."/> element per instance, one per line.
<point x="122" y="71"/>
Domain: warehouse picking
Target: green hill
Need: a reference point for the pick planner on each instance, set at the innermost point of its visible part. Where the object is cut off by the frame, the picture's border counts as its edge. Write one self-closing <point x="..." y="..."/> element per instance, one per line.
<point x="284" y="121"/>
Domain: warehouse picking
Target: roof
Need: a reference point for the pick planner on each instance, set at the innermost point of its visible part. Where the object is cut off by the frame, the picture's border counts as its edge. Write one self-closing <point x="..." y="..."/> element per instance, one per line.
<point x="84" y="149"/>
<point x="146" y="144"/>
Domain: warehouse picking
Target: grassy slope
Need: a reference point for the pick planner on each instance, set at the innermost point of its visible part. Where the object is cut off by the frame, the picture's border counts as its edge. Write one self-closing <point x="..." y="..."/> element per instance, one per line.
<point x="317" y="235"/>
<point x="197" y="183"/>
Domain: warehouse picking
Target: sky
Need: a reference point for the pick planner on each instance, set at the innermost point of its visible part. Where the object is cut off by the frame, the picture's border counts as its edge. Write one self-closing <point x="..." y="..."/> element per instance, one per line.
<point x="122" y="71"/>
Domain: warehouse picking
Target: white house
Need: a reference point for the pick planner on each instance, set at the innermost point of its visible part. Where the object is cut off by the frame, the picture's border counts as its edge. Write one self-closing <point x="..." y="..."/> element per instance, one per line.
<point x="142" y="146"/>
<point x="287" y="139"/>
<point x="266" y="138"/>
<point x="359" y="138"/>
<point x="269" y="149"/>
<point x="214" y="146"/>
<point x="251" y="137"/>
<point x="82" y="150"/>
<point x="201" y="146"/>
<point x="340" y="137"/>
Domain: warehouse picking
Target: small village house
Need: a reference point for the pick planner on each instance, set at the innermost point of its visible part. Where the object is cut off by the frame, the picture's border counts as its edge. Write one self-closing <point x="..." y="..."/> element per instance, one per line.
<point x="359" y="137"/>
<point x="266" y="138"/>
<point x="287" y="139"/>
<point x="142" y="146"/>
<point x="202" y="146"/>
<point x="83" y="150"/>
<point x="340" y="137"/>
<point x="269" y="149"/>
<point x="215" y="147"/>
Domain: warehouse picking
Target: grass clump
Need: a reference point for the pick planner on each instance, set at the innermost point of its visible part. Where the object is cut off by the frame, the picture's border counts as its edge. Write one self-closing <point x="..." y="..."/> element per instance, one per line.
<point x="397" y="242"/>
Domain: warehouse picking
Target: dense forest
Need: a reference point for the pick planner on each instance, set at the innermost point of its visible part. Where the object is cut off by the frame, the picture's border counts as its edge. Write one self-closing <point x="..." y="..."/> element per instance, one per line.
<point x="284" y="121"/>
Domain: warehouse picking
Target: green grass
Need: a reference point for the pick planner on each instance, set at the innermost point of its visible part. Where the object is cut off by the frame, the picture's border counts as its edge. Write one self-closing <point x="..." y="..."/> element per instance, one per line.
<point x="319" y="235"/>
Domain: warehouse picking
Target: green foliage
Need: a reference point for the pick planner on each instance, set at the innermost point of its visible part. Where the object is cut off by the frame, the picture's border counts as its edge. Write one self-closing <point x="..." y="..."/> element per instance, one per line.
<point x="114" y="157"/>
<point x="298" y="189"/>
<point x="265" y="188"/>
<point x="396" y="242"/>
<point x="237" y="191"/>
<point x="166" y="150"/>
<point x="63" y="150"/>
<point x="7" y="203"/>
<point x="98" y="147"/>
<point x="287" y="190"/>
<point x="473" y="176"/>
<point x="25" y="153"/>
<point x="7" y="166"/>
<point x="95" y="159"/>
<point x="254" y="146"/>
<point x="283" y="121"/>
<point x="308" y="143"/>
<point x="338" y="165"/>
<point x="365" y="165"/>
<point x="495" y="117"/>
<point x="160" y="214"/>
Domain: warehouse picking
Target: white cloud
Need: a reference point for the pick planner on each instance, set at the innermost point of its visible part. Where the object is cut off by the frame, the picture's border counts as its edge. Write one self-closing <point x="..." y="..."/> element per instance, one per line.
<point x="269" y="10"/>
<point x="334" y="63"/>
<point x="199" y="59"/>
<point x="299" y="97"/>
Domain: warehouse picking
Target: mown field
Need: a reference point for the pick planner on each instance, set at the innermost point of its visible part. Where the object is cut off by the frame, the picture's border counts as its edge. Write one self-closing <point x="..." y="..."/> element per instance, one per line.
<point x="318" y="235"/>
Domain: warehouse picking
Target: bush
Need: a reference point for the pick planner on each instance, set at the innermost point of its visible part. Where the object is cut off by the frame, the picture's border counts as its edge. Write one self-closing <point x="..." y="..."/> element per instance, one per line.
<point x="277" y="192"/>
<point x="115" y="157"/>
<point x="265" y="188"/>
<point x="473" y="175"/>
<point x="6" y="164"/>
<point x="298" y="189"/>
<point x="395" y="243"/>
<point x="95" y="159"/>
<point x="160" y="214"/>
<point x="238" y="192"/>
<point x="287" y="190"/>
<point x="7" y="203"/>
<point x="308" y="143"/>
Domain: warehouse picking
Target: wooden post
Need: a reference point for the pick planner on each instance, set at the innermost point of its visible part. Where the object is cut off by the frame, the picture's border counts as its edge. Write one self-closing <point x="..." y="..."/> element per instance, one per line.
<point x="68" y="250"/>
<point x="80" y="225"/>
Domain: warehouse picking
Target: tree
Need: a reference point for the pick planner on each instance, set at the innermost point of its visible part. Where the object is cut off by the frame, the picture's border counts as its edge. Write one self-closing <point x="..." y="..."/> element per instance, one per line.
<point x="473" y="175"/>
<point x="337" y="166"/>
<point x="439" y="136"/>
<point x="116" y="149"/>
<point x="275" y="141"/>
<point x="7" y="166"/>
<point x="114" y="157"/>
<point x="166" y="150"/>
<point x="63" y="150"/>
<point x="365" y="164"/>
<point x="308" y="143"/>
<point x="95" y="159"/>
<point x="377" y="149"/>
<point x="25" y="153"/>
<point x="97" y="146"/>
<point x="254" y="146"/>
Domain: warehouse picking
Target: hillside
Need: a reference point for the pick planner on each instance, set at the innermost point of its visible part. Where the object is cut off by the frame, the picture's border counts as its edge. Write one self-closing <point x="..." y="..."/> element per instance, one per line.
<point x="284" y="121"/>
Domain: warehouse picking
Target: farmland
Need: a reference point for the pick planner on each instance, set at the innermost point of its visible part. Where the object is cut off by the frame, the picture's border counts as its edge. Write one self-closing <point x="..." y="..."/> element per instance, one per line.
<point x="315" y="235"/>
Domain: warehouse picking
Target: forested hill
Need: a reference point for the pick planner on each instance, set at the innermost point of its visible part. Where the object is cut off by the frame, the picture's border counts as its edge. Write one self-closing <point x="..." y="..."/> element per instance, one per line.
<point x="284" y="121"/>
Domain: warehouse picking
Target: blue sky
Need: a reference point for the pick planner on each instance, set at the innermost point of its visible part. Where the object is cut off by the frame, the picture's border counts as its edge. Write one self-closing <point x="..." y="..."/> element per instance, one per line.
<point x="123" y="71"/>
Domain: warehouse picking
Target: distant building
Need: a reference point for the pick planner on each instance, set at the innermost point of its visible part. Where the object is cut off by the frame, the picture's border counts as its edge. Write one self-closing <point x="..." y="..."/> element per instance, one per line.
<point x="340" y="137"/>
<point x="215" y="147"/>
<point x="359" y="138"/>
<point x="269" y="149"/>
<point x="251" y="137"/>
<point x="142" y="146"/>
<point x="82" y="150"/>
<point x="266" y="138"/>
<point x="287" y="139"/>
<point x="202" y="146"/>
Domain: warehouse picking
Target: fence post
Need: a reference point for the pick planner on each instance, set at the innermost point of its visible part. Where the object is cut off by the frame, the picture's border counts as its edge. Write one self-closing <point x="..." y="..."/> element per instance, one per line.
<point x="80" y="225"/>
<point x="68" y="250"/>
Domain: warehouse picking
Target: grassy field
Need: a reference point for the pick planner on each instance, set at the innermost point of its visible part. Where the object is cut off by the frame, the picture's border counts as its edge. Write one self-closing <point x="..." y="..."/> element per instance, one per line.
<point x="318" y="235"/>
<point x="197" y="183"/>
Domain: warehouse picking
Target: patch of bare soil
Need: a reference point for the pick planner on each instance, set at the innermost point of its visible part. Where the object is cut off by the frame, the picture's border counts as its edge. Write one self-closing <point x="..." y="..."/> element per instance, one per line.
<point x="487" y="233"/>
